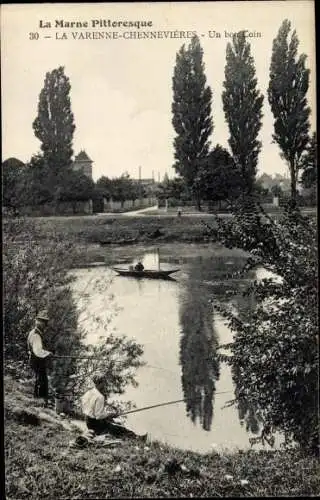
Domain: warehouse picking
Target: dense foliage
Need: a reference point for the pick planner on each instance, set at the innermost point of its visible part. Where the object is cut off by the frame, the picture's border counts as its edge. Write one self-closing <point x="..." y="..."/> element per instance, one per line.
<point x="36" y="276"/>
<point x="174" y="190"/>
<point x="275" y="349"/>
<point x="220" y="177"/>
<point x="287" y="91"/>
<point x="310" y="164"/>
<point x="191" y="110"/>
<point x="242" y="105"/>
<point x="12" y="170"/>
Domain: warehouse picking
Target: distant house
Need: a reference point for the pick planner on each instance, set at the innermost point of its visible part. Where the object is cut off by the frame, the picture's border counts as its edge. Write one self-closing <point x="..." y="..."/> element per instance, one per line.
<point x="82" y="163"/>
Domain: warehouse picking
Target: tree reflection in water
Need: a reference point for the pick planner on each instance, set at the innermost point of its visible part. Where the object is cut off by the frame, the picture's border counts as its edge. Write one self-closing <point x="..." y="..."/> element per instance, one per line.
<point x="208" y="278"/>
<point x="198" y="357"/>
<point x="245" y="305"/>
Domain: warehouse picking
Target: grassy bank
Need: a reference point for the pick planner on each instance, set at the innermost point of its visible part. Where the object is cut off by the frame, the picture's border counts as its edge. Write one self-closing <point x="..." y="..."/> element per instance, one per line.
<point x="92" y="237"/>
<point x="97" y="239"/>
<point x="40" y="464"/>
<point x="108" y="229"/>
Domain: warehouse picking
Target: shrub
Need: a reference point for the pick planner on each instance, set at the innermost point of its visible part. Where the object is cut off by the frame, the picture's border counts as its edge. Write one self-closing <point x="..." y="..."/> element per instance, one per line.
<point x="274" y="353"/>
<point x="36" y="276"/>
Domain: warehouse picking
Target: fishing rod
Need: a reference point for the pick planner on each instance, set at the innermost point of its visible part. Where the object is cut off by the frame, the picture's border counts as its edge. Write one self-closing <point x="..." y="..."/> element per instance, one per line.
<point x="160" y="404"/>
<point x="154" y="406"/>
<point x="75" y="357"/>
<point x="96" y="357"/>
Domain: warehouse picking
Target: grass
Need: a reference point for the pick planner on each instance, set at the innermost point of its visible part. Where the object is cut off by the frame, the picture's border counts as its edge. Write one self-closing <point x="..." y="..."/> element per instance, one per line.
<point x="39" y="464"/>
<point x="93" y="236"/>
<point x="113" y="229"/>
<point x="118" y="228"/>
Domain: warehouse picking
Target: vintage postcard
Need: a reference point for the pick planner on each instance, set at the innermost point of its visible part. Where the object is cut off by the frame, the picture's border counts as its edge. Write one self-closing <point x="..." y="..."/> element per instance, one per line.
<point x="159" y="205"/>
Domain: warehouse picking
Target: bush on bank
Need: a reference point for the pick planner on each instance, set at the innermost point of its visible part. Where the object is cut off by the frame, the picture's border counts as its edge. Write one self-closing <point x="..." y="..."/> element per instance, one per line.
<point x="36" y="276"/>
<point x="275" y="350"/>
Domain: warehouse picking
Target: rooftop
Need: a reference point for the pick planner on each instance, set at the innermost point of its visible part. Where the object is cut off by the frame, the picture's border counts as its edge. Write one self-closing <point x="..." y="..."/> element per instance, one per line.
<point x="82" y="156"/>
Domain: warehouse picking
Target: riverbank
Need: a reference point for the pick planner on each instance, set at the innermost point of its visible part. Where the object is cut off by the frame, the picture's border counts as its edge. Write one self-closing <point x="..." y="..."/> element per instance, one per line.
<point x="125" y="229"/>
<point x="40" y="464"/>
<point x="91" y="238"/>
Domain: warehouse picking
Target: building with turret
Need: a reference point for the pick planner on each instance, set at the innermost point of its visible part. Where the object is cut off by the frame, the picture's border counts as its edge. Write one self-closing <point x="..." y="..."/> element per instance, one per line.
<point x="82" y="163"/>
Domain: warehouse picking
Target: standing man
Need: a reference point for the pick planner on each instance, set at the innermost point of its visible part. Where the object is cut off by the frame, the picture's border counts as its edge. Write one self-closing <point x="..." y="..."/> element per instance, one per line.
<point x="38" y="356"/>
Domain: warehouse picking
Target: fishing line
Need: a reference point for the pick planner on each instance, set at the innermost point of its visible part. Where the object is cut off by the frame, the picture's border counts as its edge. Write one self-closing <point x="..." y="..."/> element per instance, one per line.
<point x="97" y="358"/>
<point x="152" y="406"/>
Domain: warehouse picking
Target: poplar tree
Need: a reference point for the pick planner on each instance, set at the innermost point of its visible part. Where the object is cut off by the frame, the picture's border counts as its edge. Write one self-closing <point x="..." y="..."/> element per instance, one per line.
<point x="242" y="105"/>
<point x="54" y="124"/>
<point x="191" y="110"/>
<point x="310" y="164"/>
<point x="288" y="86"/>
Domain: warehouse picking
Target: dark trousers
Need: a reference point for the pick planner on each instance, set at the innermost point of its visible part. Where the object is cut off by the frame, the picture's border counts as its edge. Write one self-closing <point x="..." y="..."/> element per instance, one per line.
<point x="41" y="386"/>
<point x="103" y="425"/>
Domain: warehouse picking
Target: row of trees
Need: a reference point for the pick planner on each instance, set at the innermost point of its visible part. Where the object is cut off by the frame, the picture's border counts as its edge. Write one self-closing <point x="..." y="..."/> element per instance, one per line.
<point x="49" y="177"/>
<point x="274" y="353"/>
<point x="208" y="174"/>
<point x="36" y="184"/>
<point x="204" y="170"/>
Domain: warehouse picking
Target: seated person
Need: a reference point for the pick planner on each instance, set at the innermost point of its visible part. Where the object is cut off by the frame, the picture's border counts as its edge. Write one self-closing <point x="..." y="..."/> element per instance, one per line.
<point x="97" y="418"/>
<point x="139" y="267"/>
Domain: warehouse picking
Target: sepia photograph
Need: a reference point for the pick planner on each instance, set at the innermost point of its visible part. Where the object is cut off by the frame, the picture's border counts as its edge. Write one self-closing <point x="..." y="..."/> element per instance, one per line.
<point x="160" y="255"/>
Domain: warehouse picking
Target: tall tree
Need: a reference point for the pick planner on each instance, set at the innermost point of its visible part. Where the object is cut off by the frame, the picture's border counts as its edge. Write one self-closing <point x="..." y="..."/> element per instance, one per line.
<point x="242" y="105"/>
<point x="54" y="124"/>
<point x="288" y="86"/>
<point x="309" y="164"/>
<point x="191" y="110"/>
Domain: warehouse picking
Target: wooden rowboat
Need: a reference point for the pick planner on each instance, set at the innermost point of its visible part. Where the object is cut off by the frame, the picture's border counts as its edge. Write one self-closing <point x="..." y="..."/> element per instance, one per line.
<point x="146" y="273"/>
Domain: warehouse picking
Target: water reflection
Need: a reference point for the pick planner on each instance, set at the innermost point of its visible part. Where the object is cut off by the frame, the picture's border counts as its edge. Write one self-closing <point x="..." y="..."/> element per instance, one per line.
<point x="206" y="281"/>
<point x="244" y="307"/>
<point x="198" y="357"/>
<point x="247" y="413"/>
<point x="180" y="333"/>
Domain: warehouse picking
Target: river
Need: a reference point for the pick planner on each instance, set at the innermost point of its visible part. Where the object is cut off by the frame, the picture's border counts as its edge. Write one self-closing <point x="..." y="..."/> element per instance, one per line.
<point x="180" y="332"/>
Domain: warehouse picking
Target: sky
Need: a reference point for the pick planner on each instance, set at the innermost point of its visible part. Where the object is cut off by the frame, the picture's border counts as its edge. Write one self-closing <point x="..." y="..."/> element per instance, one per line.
<point x="121" y="88"/>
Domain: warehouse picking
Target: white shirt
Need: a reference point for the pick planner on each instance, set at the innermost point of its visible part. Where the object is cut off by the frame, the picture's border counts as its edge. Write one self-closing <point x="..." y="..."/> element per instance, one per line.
<point x="93" y="404"/>
<point x="35" y="344"/>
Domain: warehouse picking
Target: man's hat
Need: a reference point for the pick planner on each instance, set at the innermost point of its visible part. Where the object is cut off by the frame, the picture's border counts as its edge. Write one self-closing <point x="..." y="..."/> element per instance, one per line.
<point x="43" y="315"/>
<point x="97" y="378"/>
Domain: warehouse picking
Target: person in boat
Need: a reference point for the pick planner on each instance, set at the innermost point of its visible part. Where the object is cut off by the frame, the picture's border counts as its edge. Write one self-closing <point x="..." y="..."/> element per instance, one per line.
<point x="38" y="356"/>
<point x="139" y="267"/>
<point x="98" y="418"/>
